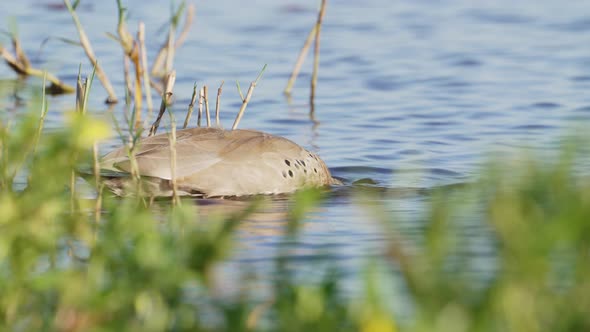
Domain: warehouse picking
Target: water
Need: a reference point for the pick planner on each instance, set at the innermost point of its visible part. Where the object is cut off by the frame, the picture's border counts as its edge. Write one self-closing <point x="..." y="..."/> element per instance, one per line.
<point x="413" y="95"/>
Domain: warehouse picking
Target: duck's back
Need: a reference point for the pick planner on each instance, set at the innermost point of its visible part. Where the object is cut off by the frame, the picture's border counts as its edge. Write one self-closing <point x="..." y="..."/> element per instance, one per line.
<point x="217" y="162"/>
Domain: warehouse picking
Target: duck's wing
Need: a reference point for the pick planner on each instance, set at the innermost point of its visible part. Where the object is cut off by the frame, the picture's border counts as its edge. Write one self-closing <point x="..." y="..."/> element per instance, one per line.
<point x="195" y="151"/>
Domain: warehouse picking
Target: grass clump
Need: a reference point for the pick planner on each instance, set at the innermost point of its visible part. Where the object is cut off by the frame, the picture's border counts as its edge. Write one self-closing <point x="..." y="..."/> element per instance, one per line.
<point x="135" y="268"/>
<point x="141" y="268"/>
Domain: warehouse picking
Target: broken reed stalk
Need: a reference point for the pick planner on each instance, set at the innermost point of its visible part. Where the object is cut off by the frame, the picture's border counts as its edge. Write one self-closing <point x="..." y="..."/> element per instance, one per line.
<point x="206" y="99"/>
<point x="300" y="59"/>
<point x="80" y="103"/>
<point x="243" y="107"/>
<point x="247" y="99"/>
<point x="125" y="38"/>
<point x="200" y="107"/>
<point x="191" y="106"/>
<point x="240" y="91"/>
<point x="138" y="94"/>
<point x="79" y="100"/>
<point x="130" y="52"/>
<point x="82" y="93"/>
<point x="316" y="55"/>
<point x="144" y="67"/>
<point x="170" y="50"/>
<point x="169" y="45"/>
<point x="172" y="139"/>
<point x="112" y="98"/>
<point x="166" y="97"/>
<point x="157" y="85"/>
<point x="217" y="103"/>
<point x="79" y="90"/>
<point x="15" y="62"/>
<point x="188" y="21"/>
<point x="162" y="53"/>
<point x="87" y="86"/>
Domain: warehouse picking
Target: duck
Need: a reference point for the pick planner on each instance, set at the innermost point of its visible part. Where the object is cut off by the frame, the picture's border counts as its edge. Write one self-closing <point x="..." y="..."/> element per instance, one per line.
<point x="216" y="162"/>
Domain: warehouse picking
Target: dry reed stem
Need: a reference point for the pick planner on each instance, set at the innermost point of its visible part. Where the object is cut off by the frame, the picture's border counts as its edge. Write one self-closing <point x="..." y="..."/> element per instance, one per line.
<point x="200" y="107"/>
<point x="84" y="86"/>
<point x="244" y="104"/>
<point x="87" y="85"/>
<point x="97" y="182"/>
<point x="300" y="59"/>
<point x="166" y="97"/>
<point x="134" y="166"/>
<point x="217" y="105"/>
<point x="20" y="53"/>
<point x="125" y="38"/>
<point x="138" y="94"/>
<point x="82" y="91"/>
<point x="157" y="85"/>
<point x="127" y="75"/>
<point x="247" y="99"/>
<point x="131" y="52"/>
<point x="191" y="106"/>
<point x="206" y="99"/>
<point x="170" y="50"/>
<point x="13" y="62"/>
<point x="90" y="54"/>
<point x="79" y="93"/>
<point x="96" y="166"/>
<point x="172" y="139"/>
<point x="162" y="53"/>
<point x="144" y="67"/>
<point x="316" y="54"/>
<point x="20" y="68"/>
<point x="188" y="21"/>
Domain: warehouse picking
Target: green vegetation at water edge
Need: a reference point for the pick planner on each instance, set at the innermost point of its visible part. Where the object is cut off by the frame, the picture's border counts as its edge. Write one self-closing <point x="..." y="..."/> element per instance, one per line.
<point x="135" y="268"/>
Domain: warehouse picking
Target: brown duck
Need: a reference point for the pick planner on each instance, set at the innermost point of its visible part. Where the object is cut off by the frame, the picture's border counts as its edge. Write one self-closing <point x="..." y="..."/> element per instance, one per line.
<point x="213" y="162"/>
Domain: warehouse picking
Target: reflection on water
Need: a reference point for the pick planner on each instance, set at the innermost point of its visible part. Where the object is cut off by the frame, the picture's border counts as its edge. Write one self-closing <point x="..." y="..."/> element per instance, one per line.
<point x="411" y="96"/>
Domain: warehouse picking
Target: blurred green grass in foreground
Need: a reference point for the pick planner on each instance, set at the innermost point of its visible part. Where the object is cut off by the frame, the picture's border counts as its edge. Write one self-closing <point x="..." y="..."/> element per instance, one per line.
<point x="61" y="270"/>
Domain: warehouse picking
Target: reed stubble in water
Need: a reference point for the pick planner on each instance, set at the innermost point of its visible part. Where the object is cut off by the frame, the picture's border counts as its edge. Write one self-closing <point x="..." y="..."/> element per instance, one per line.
<point x="217" y="105"/>
<point x="191" y="106"/>
<point x="21" y="65"/>
<point x="314" y="35"/>
<point x="316" y="56"/>
<point x="247" y="99"/>
<point x="166" y="101"/>
<point x="206" y="100"/>
<point x="85" y="43"/>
